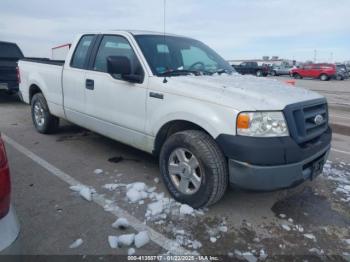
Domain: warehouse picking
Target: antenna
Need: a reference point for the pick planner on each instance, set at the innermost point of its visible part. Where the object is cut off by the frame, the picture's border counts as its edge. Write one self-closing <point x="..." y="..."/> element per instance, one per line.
<point x="164" y="40"/>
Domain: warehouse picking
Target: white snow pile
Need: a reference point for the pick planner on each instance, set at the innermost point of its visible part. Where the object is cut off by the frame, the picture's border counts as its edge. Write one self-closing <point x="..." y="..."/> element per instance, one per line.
<point x="141" y="239"/>
<point x="251" y="256"/>
<point x="310" y="236"/>
<point x="286" y="227"/>
<point x="317" y="251"/>
<point x="121" y="223"/>
<point x="77" y="243"/>
<point x="340" y="177"/>
<point x="136" y="192"/>
<point x="126" y="240"/>
<point x="213" y="239"/>
<point x="131" y="251"/>
<point x="113" y="241"/>
<point x="186" y="210"/>
<point x="158" y="206"/>
<point x="98" y="171"/>
<point x="121" y="241"/>
<point x="248" y="256"/>
<point x="84" y="191"/>
<point x="113" y="187"/>
<point x="215" y="233"/>
<point x="185" y="238"/>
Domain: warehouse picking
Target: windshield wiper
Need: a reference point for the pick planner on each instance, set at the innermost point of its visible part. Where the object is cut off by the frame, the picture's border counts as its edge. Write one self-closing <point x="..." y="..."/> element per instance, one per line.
<point x="222" y="71"/>
<point x="179" y="72"/>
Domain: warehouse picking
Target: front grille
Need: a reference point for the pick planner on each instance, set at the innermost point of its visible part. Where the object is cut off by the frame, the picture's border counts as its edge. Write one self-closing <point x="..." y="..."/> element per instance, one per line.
<point x="301" y="120"/>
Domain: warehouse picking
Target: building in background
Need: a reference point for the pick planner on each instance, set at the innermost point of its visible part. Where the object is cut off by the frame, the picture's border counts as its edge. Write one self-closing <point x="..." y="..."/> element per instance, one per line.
<point x="60" y="52"/>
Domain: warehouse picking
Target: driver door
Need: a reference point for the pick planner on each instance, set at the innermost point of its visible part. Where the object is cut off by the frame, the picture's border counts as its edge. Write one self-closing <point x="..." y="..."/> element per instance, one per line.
<point x="116" y="106"/>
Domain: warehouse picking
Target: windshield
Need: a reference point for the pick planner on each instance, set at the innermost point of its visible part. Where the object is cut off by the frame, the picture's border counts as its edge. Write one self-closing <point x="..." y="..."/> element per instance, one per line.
<point x="180" y="54"/>
<point x="8" y="50"/>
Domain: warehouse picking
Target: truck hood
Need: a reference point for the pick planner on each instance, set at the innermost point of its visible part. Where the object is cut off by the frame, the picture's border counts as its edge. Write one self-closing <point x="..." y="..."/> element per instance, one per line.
<point x="239" y="92"/>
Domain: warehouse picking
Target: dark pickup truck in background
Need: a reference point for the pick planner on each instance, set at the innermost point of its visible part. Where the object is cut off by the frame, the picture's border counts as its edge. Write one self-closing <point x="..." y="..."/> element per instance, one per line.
<point x="9" y="56"/>
<point x="252" y="68"/>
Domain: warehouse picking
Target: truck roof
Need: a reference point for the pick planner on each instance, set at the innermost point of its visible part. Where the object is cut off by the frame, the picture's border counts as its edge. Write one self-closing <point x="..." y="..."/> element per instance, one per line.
<point x="134" y="32"/>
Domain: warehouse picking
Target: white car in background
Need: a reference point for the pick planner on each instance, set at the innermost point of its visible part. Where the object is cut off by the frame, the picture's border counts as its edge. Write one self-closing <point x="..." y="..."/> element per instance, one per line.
<point x="9" y="226"/>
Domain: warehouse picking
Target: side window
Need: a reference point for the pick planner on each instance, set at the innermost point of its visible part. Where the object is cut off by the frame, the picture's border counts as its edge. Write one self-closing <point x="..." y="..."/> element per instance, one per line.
<point x="116" y="46"/>
<point x="81" y="51"/>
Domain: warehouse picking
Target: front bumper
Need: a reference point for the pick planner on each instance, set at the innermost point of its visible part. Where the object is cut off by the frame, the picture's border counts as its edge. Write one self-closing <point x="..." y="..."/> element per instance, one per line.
<point x="267" y="178"/>
<point x="9" y="86"/>
<point x="9" y="230"/>
<point x="273" y="163"/>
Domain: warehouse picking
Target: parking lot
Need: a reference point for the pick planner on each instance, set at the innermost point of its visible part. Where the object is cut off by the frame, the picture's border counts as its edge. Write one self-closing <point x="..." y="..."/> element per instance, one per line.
<point x="309" y="221"/>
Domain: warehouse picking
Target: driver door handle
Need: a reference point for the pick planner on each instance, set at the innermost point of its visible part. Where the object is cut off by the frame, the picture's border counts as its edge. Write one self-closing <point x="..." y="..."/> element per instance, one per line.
<point x="89" y="84"/>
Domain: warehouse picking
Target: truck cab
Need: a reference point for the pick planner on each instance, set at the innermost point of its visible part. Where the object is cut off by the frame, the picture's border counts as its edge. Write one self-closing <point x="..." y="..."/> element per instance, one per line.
<point x="252" y="68"/>
<point x="176" y="98"/>
<point x="9" y="56"/>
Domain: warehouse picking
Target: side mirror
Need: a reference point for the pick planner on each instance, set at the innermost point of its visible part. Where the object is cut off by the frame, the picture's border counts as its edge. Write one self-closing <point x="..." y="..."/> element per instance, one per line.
<point x="121" y="65"/>
<point x="118" y="65"/>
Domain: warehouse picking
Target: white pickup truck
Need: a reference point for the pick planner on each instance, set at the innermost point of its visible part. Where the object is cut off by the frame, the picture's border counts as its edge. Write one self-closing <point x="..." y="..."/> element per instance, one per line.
<point x="176" y="98"/>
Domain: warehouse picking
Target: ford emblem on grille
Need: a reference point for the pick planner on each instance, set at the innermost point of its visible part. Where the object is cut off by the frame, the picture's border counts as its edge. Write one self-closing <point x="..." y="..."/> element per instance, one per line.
<point x="318" y="120"/>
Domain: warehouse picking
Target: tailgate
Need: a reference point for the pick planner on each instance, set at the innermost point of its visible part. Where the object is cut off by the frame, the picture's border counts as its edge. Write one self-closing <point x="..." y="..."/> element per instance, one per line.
<point x="8" y="71"/>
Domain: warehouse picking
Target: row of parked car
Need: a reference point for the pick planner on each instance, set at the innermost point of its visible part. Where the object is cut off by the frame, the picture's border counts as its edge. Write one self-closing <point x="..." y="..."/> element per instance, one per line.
<point x="322" y="71"/>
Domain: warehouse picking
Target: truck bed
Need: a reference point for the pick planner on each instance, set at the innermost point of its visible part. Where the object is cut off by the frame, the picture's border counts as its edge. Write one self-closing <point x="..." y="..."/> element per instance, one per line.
<point x="44" y="61"/>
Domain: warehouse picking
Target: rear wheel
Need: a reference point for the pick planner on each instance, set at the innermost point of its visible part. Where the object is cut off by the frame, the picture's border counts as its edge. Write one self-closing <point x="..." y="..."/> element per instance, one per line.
<point x="43" y="121"/>
<point x="259" y="73"/>
<point x="193" y="168"/>
<point x="273" y="73"/>
<point x="324" y="77"/>
<point x="339" y="77"/>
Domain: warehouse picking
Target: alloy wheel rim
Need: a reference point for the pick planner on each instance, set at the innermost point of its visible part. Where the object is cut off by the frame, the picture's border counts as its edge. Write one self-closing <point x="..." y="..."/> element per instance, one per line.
<point x="185" y="171"/>
<point x="39" y="114"/>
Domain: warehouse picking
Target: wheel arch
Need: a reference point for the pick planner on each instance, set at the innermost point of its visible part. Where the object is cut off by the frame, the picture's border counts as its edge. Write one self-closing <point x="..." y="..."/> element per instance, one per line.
<point x="173" y="127"/>
<point x="34" y="89"/>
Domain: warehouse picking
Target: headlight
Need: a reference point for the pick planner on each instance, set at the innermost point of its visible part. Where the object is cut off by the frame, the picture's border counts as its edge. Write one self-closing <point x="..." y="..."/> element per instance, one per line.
<point x="262" y="124"/>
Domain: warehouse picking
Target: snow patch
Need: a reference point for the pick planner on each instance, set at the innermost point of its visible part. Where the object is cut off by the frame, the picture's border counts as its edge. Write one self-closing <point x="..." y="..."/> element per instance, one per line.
<point x="77" y="243"/>
<point x="84" y="191"/>
<point x="121" y="223"/>
<point x="131" y="251"/>
<point x="186" y="210"/>
<point x="98" y="171"/>
<point x="113" y="241"/>
<point x="126" y="240"/>
<point x="141" y="239"/>
<point x="310" y="236"/>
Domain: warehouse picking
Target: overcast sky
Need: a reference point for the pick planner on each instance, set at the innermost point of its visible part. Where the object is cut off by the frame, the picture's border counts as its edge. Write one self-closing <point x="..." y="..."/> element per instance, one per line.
<point x="235" y="28"/>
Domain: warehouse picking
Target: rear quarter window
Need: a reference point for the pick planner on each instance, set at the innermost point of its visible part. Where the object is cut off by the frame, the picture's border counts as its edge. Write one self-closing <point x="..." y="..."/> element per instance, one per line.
<point x="9" y="50"/>
<point x="81" y="51"/>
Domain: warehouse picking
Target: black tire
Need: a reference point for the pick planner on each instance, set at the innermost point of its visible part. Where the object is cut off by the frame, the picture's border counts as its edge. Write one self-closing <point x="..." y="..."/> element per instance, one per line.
<point x="273" y="73"/>
<point x="324" y="77"/>
<point x="50" y="123"/>
<point x="259" y="73"/>
<point x="297" y="76"/>
<point x="212" y="163"/>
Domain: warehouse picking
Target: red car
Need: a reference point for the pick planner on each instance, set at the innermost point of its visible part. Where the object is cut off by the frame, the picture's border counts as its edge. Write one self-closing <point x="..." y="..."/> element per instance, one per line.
<point x="321" y="71"/>
<point x="9" y="226"/>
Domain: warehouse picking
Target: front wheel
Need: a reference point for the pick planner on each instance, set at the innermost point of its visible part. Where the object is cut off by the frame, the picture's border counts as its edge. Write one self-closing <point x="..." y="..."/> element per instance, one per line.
<point x="43" y="121"/>
<point x="193" y="168"/>
<point x="297" y="76"/>
<point x="259" y="73"/>
<point x="324" y="77"/>
<point x="273" y="73"/>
